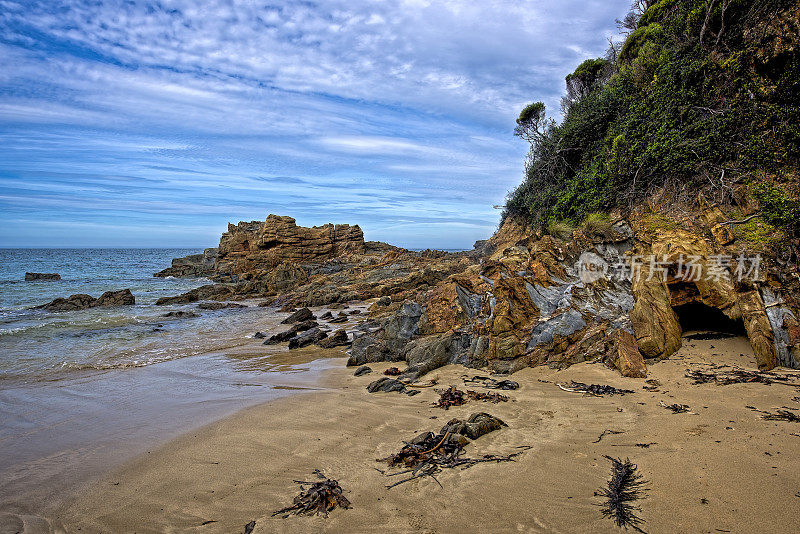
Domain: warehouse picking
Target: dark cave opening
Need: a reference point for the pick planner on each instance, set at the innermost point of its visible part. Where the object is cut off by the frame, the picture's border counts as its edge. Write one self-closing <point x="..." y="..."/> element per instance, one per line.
<point x="698" y="317"/>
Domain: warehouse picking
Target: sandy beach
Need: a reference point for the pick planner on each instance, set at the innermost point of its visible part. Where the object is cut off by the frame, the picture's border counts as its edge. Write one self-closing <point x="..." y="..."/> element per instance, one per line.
<point x="720" y="468"/>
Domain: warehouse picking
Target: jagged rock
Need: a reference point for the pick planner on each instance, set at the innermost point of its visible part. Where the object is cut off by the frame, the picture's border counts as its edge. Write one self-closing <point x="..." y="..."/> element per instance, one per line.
<point x="303" y="314"/>
<point x="30" y="277"/>
<point x="206" y="292"/>
<point x="626" y="356"/>
<point x="280" y="337"/>
<point x="386" y="384"/>
<point x="181" y="314"/>
<point x="259" y="335"/>
<point x="338" y="339"/>
<point x="315" y="335"/>
<point x="325" y="316"/>
<point x="363" y="370"/>
<point x="248" y="247"/>
<point x="384" y="301"/>
<point x="123" y="297"/>
<point x="339" y="320"/>
<point x="219" y="305"/>
<point x="194" y="265"/>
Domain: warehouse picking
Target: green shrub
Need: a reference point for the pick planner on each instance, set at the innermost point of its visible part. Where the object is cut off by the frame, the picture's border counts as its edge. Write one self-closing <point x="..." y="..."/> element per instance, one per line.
<point x="560" y="229"/>
<point x="597" y="223"/>
<point x="777" y="207"/>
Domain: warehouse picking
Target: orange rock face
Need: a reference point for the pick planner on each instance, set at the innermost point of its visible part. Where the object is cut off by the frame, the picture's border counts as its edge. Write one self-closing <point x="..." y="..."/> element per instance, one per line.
<point x="258" y="246"/>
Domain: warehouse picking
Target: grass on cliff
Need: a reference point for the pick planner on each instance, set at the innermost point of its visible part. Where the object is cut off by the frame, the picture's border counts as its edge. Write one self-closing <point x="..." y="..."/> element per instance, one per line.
<point x="701" y="93"/>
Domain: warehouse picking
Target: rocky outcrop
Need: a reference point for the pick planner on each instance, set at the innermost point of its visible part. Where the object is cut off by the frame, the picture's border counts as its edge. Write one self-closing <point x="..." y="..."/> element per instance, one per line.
<point x="123" y="297"/>
<point x="247" y="250"/>
<point x="48" y="277"/>
<point x="192" y="266"/>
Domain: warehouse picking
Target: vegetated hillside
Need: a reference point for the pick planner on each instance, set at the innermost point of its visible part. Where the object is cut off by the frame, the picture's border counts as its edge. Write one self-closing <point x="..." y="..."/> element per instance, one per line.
<point x="702" y="95"/>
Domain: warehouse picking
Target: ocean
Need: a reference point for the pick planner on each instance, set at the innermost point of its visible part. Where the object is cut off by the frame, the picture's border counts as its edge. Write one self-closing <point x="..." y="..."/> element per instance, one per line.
<point x="83" y="391"/>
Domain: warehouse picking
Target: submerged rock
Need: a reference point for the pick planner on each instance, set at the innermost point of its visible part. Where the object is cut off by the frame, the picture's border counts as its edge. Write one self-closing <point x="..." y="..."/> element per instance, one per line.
<point x="181" y="314"/>
<point x="30" y="277"/>
<point x="123" y="297"/>
<point x="219" y="305"/>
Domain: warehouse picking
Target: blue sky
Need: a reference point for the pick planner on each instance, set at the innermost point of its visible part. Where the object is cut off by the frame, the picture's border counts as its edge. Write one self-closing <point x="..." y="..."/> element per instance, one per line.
<point x="155" y="123"/>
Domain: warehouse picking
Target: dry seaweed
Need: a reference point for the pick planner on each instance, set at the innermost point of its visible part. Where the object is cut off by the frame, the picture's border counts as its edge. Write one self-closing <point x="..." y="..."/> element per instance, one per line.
<point x="779" y="415"/>
<point x="320" y="498"/>
<point x="737" y="375"/>
<point x="428" y="453"/>
<point x="600" y="437"/>
<point x="451" y="396"/>
<point x="676" y="408"/>
<point x="491" y="383"/>
<point x="598" y="390"/>
<point x="393" y="371"/>
<point x="624" y="487"/>
<point x="487" y="397"/>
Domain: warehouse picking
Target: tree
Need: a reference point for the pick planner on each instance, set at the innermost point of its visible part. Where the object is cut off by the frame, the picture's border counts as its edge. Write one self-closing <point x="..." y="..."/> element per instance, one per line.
<point x="531" y="123"/>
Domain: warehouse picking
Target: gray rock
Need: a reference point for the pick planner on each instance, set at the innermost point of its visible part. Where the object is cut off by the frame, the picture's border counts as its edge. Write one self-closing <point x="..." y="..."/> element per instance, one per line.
<point x="280" y="337"/>
<point x="30" y="277"/>
<point x="363" y="370"/>
<point x="181" y="314"/>
<point x="219" y="305"/>
<point x="315" y="335"/>
<point x="123" y="297"/>
<point x="386" y="384"/>
<point x="303" y="314"/>
<point x="338" y="339"/>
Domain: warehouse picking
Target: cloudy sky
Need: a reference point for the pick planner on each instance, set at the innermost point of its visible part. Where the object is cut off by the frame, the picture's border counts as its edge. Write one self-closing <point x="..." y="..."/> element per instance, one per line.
<point x="154" y="123"/>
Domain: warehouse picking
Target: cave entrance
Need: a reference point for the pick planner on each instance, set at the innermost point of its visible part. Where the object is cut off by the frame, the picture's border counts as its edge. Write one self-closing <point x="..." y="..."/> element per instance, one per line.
<point x="698" y="317"/>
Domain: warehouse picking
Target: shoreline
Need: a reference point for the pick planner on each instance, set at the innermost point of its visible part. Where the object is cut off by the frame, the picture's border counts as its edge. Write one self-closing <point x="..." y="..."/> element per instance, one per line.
<point x="721" y="468"/>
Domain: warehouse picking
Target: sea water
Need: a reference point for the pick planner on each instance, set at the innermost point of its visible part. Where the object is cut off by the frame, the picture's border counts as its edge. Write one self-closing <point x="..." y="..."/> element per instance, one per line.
<point x="82" y="391"/>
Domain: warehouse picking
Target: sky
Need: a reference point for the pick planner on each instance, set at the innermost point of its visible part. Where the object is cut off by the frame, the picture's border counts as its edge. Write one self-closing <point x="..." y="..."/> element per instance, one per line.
<point x="134" y="123"/>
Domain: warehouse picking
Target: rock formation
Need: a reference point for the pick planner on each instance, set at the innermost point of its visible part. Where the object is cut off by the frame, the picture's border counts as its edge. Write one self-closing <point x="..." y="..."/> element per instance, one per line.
<point x="192" y="266"/>
<point x="523" y="298"/>
<point x="30" y="277"/>
<point x="123" y="297"/>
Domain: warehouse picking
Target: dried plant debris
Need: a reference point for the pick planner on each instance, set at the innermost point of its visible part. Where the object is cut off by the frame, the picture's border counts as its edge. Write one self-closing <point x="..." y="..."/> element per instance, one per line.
<point x="598" y="390"/>
<point x="487" y="397"/>
<point x="736" y="375"/>
<point x="676" y="408"/>
<point x="451" y="396"/>
<point x="607" y="432"/>
<point x="625" y="486"/>
<point x="491" y="383"/>
<point x="428" y="453"/>
<point x="321" y="497"/>
<point x="779" y="415"/>
<point x="652" y="385"/>
<point x="393" y="371"/>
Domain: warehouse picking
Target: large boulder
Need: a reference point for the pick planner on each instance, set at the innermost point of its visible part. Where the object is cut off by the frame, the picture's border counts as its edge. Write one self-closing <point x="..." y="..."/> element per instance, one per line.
<point x="315" y="335"/>
<point x="625" y="355"/>
<point x="303" y="314"/>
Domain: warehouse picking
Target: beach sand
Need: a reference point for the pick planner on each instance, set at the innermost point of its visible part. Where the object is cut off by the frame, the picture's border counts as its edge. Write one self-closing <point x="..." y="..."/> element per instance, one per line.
<point x="721" y="469"/>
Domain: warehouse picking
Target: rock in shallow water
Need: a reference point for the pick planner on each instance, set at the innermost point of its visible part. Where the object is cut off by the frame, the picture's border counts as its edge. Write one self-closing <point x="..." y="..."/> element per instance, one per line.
<point x="30" y="277"/>
<point x="123" y="297"/>
<point x="338" y="339"/>
<point x="314" y="335"/>
<point x="219" y="305"/>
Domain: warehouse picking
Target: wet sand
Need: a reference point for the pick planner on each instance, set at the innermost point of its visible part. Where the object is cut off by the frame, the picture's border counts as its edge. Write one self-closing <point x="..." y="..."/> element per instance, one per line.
<point x="722" y="469"/>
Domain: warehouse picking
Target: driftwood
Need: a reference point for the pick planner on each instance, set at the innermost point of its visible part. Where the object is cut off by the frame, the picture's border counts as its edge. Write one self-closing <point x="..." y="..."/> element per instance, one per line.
<point x="779" y="415"/>
<point x="624" y="487"/>
<point x="737" y="375"/>
<point x="598" y="390"/>
<point x="320" y="498"/>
